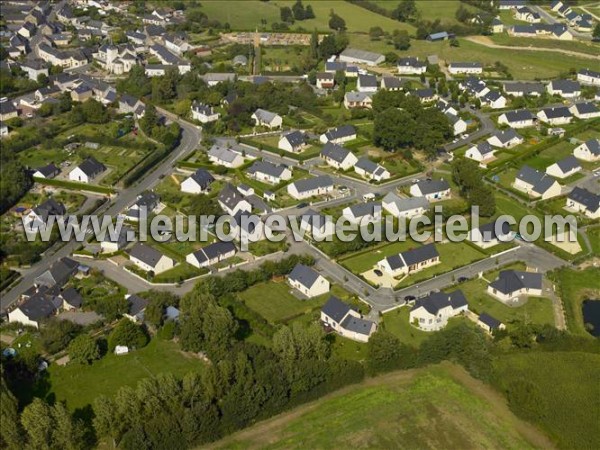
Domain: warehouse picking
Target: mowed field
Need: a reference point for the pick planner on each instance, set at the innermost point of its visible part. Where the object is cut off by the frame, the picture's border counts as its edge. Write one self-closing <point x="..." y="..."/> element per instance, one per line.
<point x="436" y="407"/>
<point x="445" y="10"/>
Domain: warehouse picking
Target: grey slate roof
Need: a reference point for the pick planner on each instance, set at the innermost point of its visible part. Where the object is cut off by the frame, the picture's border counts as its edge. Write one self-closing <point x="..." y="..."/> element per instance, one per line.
<point x="557" y="112"/>
<point x="213" y="251"/>
<point x="361" y="54"/>
<point x="519" y="115"/>
<point x="569" y="163"/>
<point x="540" y="181"/>
<point x="335" y="308"/>
<point x="58" y="273"/>
<point x="91" y="167"/>
<point x="406" y="204"/>
<point x="309" y="184"/>
<point x="586" y="108"/>
<point x="72" y="297"/>
<point x="466" y="65"/>
<point x="365" y="209"/>
<point x="304" y="275"/>
<point x="432" y="186"/>
<point x="38" y="307"/>
<point x="590" y="200"/>
<point x="357" y="324"/>
<point x="146" y="254"/>
<point x="526" y="88"/>
<point x="50" y="208"/>
<point x="488" y="230"/>
<point x="411" y="62"/>
<point x="357" y="96"/>
<point x="340" y="132"/>
<point x="335" y="152"/>
<point x="230" y="196"/>
<point x="509" y="281"/>
<point x="489" y="321"/>
<point x="295" y="138"/>
<point x="565" y="86"/>
<point x="436" y="301"/>
<point x="267" y="168"/>
<point x="590" y="73"/>
<point x="367" y="80"/>
<point x="594" y="146"/>
<point x="222" y="153"/>
<point x="202" y="177"/>
<point x="137" y="304"/>
<point x="265" y="116"/>
<point x="507" y="135"/>
<point x="420" y="254"/>
<point x="334" y="66"/>
<point x="484" y="148"/>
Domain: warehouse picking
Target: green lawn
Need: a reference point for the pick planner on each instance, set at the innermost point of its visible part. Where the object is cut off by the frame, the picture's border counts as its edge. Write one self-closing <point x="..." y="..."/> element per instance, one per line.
<point x="575" y="287"/>
<point x="594" y="235"/>
<point x="436" y="407"/>
<point x="79" y="385"/>
<point x="575" y="45"/>
<point x="397" y="323"/>
<point x="365" y="260"/>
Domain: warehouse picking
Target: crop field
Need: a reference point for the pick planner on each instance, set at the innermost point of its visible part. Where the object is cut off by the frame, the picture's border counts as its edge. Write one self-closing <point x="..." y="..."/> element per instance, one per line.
<point x="436" y="407"/>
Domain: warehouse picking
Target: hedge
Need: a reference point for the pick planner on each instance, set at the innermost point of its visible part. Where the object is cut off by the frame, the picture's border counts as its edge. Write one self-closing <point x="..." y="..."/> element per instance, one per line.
<point x="74" y="185"/>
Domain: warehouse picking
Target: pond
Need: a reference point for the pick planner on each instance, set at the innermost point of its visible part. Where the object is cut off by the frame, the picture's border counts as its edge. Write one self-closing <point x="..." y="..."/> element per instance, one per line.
<point x="591" y="316"/>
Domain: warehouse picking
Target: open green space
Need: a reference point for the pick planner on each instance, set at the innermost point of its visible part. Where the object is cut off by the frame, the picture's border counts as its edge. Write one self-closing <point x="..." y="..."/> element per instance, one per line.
<point x="79" y="385"/>
<point x="444" y="10"/>
<point x="397" y="322"/>
<point x="436" y="407"/>
<point x="575" y="45"/>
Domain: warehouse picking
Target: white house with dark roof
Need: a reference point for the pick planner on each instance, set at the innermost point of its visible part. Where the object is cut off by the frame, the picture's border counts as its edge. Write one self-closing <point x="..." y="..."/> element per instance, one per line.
<point x="588" y="151"/>
<point x="559" y="115"/>
<point x="339" y="135"/>
<point x="521" y="118"/>
<point x="49" y="171"/>
<point x="34" y="309"/>
<point x="353" y="55"/>
<point x="146" y="203"/>
<point x="536" y="184"/>
<point x="197" y="183"/>
<point x="248" y="227"/>
<point x="367" y="83"/>
<point x="39" y="215"/>
<point x="149" y="259"/>
<point x="87" y="171"/>
<point x="410" y="261"/>
<point x="589" y="77"/>
<point x="58" y="274"/>
<point x="489" y="323"/>
<point x="346" y="321"/>
<point x="431" y="313"/>
<point x="505" y="139"/>
<point x="232" y="201"/>
<point x="426" y="95"/>
<point x="482" y="152"/>
<point x="432" y="190"/>
<point x="522" y="89"/>
<point x="268" y="172"/>
<point x="527" y="15"/>
<point x="459" y="126"/>
<point x="411" y="66"/>
<point x="355" y="99"/>
<point x="405" y="207"/>
<point x="585" y="110"/>
<point x="511" y="284"/>
<point x="564" y="168"/>
<point x="338" y="157"/>
<point x="114" y="243"/>
<point x="325" y="80"/>
<point x="293" y="141"/>
<point x="226" y="157"/>
<point x="268" y="119"/>
<point x="494" y="100"/>
<point x="456" y="68"/>
<point x="211" y="254"/>
<point x="204" y="113"/>
<point x="584" y="202"/>
<point x="308" y="281"/>
<point x="136" y="306"/>
<point x="490" y="234"/>
<point x="310" y="187"/>
<point x="370" y="170"/>
<point x="564" y="88"/>
<point x="363" y="213"/>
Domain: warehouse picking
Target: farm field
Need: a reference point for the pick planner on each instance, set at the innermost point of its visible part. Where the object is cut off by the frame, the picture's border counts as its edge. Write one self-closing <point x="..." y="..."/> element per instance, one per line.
<point x="436" y="407"/>
<point x="79" y="385"/>
<point x="444" y="10"/>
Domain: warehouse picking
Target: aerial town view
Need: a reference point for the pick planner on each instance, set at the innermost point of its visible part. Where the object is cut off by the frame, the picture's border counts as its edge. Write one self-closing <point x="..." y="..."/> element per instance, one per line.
<point x="300" y="224"/>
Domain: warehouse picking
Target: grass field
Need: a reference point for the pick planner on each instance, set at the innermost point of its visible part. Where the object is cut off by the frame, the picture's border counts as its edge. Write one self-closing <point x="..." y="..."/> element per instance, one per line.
<point x="79" y="385"/>
<point x="567" y="410"/>
<point x="575" y="287"/>
<point x="436" y="407"/>
<point x="445" y="10"/>
<point x="575" y="46"/>
<point x="594" y="235"/>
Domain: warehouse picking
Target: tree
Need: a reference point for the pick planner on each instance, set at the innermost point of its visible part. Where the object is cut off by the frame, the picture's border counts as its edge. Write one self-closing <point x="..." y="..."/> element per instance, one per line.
<point x="388" y="134"/>
<point x="336" y="22"/>
<point x="314" y="45"/>
<point x="298" y="10"/>
<point x="375" y="33"/>
<point x="158" y="302"/>
<point x="454" y="42"/>
<point x="10" y="427"/>
<point x="385" y="352"/>
<point x="483" y="196"/>
<point x="57" y="334"/>
<point x="391" y="57"/>
<point x="38" y="424"/>
<point x="286" y="15"/>
<point x="401" y="40"/>
<point x="15" y="181"/>
<point x="203" y="205"/>
<point x="94" y="112"/>
<point x="596" y="32"/>
<point x="42" y="79"/>
<point x="84" y="349"/>
<point x="405" y="11"/>
<point x="128" y="334"/>
<point x="182" y="107"/>
<point x="309" y="13"/>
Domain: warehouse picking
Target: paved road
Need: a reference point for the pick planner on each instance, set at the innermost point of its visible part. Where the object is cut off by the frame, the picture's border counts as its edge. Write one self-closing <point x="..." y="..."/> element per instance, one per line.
<point x="487" y="127"/>
<point x="189" y="141"/>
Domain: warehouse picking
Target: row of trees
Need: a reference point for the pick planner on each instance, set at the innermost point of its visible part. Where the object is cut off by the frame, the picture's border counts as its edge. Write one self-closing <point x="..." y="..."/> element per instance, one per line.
<point x="296" y="13"/>
<point x="469" y="178"/>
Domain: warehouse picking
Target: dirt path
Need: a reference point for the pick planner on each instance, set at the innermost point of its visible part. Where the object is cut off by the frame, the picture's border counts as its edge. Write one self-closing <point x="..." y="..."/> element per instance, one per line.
<point x="486" y="42"/>
<point x="267" y="431"/>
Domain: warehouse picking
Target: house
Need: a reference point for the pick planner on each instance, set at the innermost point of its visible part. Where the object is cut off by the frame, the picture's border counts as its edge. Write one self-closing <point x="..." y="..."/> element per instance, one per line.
<point x="494" y="100"/>
<point x="431" y="313"/>
<point x="585" y="202"/>
<point x="490" y="234"/>
<point x="58" y="273"/>
<point x="489" y="324"/>
<point x="355" y="99"/>
<point x="410" y="261"/>
<point x="267" y="119"/>
<point x="32" y="310"/>
<point x="456" y="68"/>
<point x="426" y="95"/>
<point x="337" y="156"/>
<point x="556" y="5"/>
<point x="136" y="306"/>
<point x="38" y="216"/>
<point x="268" y="172"/>
<point x="363" y="213"/>
<point x="505" y="139"/>
<point x="585" y="110"/>
<point x="87" y="171"/>
<point x="204" y="113"/>
<point x="211" y="254"/>
<point x="370" y="170"/>
<point x="339" y="135"/>
<point x="440" y="36"/>
<point x="558" y="115"/>
<point x="34" y="68"/>
<point x="459" y="126"/>
<point x="113" y="242"/>
<point x="325" y="80"/>
<point x="316" y="224"/>
<point x="497" y="26"/>
<point x="136" y="37"/>
<point x="564" y="168"/>
<point x="7" y="109"/>
<point x="367" y="83"/>
<point x="353" y="55"/>
<point x="474" y="86"/>
<point x="561" y="32"/>
<point x="520" y="118"/>
<point x="176" y="44"/>
<point x="131" y="105"/>
<point x="149" y="259"/>
<point x="335" y="66"/>
<point x="481" y="152"/>
<point x="232" y="201"/>
<point x="347" y="322"/>
<point x="411" y="66"/>
<point x="145" y="204"/>
<point x="212" y="79"/>
<point x="27" y="30"/>
<point x="71" y="299"/>
<point x="511" y="284"/>
<point x="405" y="207"/>
<point x="308" y="281"/>
<point x="310" y="187"/>
<point x="511" y="4"/>
<point x="293" y="142"/>
<point x="82" y="93"/>
<point x="391" y="83"/>
<point x="521" y="89"/>
<point x="589" y="77"/>
<point x="588" y="151"/>
<point x="527" y="15"/>
<point x="536" y="184"/>
<point x="564" y="88"/>
<point x="225" y="157"/>
<point x="432" y="190"/>
<point x="48" y="172"/>
<point x="197" y="183"/>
